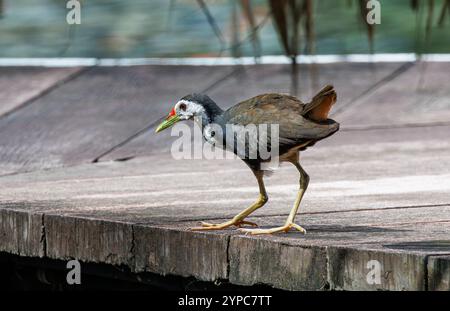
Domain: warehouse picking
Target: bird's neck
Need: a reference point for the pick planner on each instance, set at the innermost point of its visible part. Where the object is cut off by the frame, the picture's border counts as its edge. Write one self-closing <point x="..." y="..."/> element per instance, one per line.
<point x="208" y="114"/>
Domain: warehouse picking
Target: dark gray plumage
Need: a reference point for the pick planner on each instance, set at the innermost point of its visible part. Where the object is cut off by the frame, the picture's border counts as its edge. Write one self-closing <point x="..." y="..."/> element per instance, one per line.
<point x="296" y="130"/>
<point x="299" y="126"/>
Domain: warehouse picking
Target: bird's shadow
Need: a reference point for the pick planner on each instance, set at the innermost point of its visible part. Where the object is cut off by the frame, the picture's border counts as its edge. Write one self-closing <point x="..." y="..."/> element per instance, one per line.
<point x="326" y="231"/>
<point x="428" y="245"/>
<point x="340" y="229"/>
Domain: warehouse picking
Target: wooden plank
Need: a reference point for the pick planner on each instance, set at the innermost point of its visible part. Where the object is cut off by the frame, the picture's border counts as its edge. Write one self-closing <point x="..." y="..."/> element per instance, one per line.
<point x="334" y="253"/>
<point x="104" y="202"/>
<point x="376" y="162"/>
<point x="88" y="240"/>
<point x="378" y="194"/>
<point x="350" y="269"/>
<point x="439" y="273"/>
<point x="19" y="85"/>
<point x="80" y="120"/>
<point x="420" y="230"/>
<point x="299" y="266"/>
<point x="346" y="244"/>
<point x="418" y="95"/>
<point x="22" y="233"/>
<point x="174" y="252"/>
<point x="258" y="261"/>
<point x="356" y="170"/>
<point x="350" y="80"/>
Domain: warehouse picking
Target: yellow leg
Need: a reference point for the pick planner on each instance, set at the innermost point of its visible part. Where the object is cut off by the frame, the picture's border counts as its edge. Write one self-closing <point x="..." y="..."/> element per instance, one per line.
<point x="238" y="220"/>
<point x="304" y="181"/>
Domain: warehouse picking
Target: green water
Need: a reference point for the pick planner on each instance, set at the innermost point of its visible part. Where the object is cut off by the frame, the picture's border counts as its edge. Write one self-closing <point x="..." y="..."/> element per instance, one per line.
<point x="152" y="28"/>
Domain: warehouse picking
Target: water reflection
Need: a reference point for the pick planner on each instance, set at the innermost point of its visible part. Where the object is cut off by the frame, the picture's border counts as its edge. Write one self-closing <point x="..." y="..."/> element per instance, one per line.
<point x="161" y="28"/>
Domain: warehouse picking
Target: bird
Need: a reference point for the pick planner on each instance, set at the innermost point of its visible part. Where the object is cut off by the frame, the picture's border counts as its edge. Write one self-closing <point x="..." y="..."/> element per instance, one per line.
<point x="300" y="126"/>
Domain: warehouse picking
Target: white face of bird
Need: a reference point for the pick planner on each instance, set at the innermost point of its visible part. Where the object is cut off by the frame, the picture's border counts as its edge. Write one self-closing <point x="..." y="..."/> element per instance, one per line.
<point x="183" y="110"/>
<point x="186" y="109"/>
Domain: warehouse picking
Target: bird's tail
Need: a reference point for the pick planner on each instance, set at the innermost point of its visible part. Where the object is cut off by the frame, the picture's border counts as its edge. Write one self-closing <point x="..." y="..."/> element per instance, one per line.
<point x="320" y="106"/>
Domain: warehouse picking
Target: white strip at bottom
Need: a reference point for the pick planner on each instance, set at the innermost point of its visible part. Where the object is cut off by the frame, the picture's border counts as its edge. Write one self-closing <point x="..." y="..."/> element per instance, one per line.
<point x="223" y="61"/>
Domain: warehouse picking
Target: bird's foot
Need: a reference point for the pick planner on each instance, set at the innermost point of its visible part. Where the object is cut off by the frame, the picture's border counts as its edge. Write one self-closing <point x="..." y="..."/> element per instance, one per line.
<point x="284" y="228"/>
<point x="237" y="223"/>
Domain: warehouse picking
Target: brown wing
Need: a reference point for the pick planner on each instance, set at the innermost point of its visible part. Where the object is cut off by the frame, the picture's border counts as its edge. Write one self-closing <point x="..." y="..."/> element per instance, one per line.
<point x="279" y="109"/>
<point x="320" y="106"/>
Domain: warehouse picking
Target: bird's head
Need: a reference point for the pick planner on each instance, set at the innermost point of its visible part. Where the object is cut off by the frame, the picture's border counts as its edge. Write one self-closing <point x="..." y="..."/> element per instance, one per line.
<point x="195" y="106"/>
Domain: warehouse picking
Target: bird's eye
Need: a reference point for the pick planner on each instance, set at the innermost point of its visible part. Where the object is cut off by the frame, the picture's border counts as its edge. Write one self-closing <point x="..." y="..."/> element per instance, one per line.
<point x="213" y="133"/>
<point x="183" y="107"/>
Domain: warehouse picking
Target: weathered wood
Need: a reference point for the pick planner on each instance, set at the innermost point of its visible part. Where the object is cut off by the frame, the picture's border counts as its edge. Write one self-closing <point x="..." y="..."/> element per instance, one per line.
<point x="345" y="246"/>
<point x="21" y="233"/>
<point x="101" y="108"/>
<point x="291" y="261"/>
<point x="376" y="169"/>
<point x="439" y="273"/>
<point x="334" y="252"/>
<point x="349" y="270"/>
<point x="19" y="85"/>
<point x="350" y="81"/>
<point x="88" y="240"/>
<point x="375" y="194"/>
<point x="418" y="95"/>
<point x="258" y="261"/>
<point x="177" y="252"/>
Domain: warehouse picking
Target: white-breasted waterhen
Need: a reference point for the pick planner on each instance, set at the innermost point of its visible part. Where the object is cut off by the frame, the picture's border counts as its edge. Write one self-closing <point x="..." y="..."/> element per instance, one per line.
<point x="299" y="127"/>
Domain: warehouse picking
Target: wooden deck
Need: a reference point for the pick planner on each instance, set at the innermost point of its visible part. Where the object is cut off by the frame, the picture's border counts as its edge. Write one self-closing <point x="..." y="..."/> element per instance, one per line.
<point x="380" y="187"/>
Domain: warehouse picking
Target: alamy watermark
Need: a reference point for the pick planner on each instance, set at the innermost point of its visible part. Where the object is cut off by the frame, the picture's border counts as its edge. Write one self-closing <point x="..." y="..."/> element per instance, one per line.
<point x="373" y="277"/>
<point x="73" y="277"/>
<point x="373" y="16"/>
<point x="252" y="141"/>
<point x="74" y="12"/>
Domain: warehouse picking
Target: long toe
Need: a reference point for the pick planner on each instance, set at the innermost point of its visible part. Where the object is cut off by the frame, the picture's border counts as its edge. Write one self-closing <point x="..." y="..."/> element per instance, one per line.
<point x="284" y="228"/>
<point x="205" y="227"/>
<point x="262" y="231"/>
<point x="208" y="226"/>
<point x="243" y="222"/>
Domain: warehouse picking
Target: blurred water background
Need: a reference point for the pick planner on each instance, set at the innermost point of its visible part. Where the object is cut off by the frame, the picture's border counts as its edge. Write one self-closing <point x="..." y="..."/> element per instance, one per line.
<point x="179" y="28"/>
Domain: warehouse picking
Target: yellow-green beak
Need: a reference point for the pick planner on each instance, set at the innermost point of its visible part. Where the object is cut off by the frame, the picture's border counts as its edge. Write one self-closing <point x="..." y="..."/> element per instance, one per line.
<point x="171" y="120"/>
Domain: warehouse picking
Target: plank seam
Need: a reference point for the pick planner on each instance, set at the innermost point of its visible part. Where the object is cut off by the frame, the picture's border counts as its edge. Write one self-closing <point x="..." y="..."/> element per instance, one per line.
<point x="354" y="101"/>
<point x="425" y="274"/>
<point x="154" y="123"/>
<point x="228" y="259"/>
<point x="392" y="126"/>
<point x="255" y="240"/>
<point x="132" y="260"/>
<point x="43" y="236"/>
<point x="427" y="262"/>
<point x="46" y="91"/>
<point x="240" y="68"/>
<point x="329" y="283"/>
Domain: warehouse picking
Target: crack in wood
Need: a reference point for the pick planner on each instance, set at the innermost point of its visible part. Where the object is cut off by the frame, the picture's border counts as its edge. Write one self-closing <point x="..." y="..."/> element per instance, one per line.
<point x="46" y="91"/>
<point x="155" y="123"/>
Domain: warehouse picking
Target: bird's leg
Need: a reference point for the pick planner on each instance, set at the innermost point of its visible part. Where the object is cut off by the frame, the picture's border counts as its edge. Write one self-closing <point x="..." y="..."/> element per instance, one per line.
<point x="304" y="181"/>
<point x="238" y="220"/>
